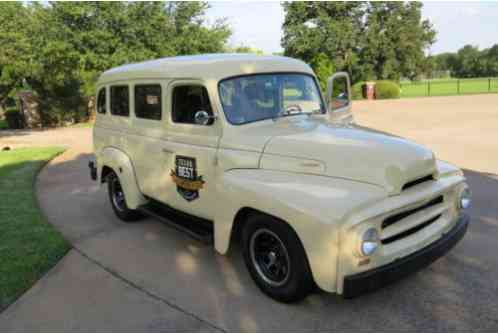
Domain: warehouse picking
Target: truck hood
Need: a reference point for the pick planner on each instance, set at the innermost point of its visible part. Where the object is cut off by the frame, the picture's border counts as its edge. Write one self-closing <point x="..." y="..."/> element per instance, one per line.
<point x="347" y="151"/>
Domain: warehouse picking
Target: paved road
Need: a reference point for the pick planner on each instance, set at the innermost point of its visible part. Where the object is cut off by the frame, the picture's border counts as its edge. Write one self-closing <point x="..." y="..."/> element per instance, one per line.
<point x="147" y="277"/>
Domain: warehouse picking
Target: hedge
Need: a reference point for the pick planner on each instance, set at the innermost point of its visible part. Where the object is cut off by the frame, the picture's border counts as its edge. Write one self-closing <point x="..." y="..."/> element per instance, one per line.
<point x="357" y="90"/>
<point x="384" y="89"/>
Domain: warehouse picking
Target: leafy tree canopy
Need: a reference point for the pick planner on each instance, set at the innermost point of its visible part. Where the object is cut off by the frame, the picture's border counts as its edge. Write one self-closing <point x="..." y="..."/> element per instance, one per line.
<point x="59" y="49"/>
<point x="330" y="29"/>
<point x="370" y="40"/>
<point x="468" y="62"/>
<point x="245" y="49"/>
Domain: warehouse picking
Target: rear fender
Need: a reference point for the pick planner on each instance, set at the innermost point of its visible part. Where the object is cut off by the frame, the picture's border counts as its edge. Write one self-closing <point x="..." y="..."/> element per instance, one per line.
<point x="121" y="164"/>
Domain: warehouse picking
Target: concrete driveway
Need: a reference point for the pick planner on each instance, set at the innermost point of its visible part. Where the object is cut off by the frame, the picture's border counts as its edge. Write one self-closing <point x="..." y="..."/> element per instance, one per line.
<point x="147" y="277"/>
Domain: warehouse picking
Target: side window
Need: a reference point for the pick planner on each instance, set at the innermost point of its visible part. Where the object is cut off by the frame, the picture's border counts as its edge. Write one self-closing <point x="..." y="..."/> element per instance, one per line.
<point x="148" y="101"/>
<point x="101" y="99"/>
<point x="187" y="100"/>
<point x="120" y="101"/>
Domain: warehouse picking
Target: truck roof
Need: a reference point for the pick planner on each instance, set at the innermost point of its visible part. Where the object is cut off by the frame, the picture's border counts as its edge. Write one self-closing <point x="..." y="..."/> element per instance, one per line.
<point x="207" y="67"/>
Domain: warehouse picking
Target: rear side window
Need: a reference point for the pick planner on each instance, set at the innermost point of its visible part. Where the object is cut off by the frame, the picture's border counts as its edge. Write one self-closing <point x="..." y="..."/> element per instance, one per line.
<point x="148" y="101"/>
<point x="120" y="101"/>
<point x="101" y="101"/>
<point x="187" y="100"/>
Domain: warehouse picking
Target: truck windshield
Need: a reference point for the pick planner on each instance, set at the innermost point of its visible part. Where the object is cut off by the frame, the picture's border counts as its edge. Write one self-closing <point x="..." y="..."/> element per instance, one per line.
<point x="263" y="96"/>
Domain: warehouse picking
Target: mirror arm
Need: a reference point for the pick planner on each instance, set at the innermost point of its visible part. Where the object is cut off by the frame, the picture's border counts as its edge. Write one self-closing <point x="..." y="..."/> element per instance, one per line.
<point x="203" y="118"/>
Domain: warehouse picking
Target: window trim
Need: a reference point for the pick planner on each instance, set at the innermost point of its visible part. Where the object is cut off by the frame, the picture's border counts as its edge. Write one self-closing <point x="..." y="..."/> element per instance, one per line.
<point x="104" y="88"/>
<point x="172" y="98"/>
<point x="160" y="101"/>
<point x="110" y="100"/>
<point x="313" y="77"/>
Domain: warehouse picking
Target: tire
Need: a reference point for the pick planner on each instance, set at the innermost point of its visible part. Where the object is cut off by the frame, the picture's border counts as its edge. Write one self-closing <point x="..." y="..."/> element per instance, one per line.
<point x="270" y="245"/>
<point x="118" y="201"/>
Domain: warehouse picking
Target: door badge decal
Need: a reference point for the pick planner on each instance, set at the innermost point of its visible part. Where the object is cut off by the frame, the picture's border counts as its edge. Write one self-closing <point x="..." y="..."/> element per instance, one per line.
<point x="185" y="177"/>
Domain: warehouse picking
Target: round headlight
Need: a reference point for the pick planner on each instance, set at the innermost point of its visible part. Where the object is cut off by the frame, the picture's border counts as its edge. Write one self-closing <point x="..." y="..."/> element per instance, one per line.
<point x="369" y="242"/>
<point x="465" y="199"/>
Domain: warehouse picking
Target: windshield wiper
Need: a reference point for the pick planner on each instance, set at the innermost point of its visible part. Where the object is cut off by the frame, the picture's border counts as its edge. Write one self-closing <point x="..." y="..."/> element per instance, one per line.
<point x="291" y="110"/>
<point x="283" y="113"/>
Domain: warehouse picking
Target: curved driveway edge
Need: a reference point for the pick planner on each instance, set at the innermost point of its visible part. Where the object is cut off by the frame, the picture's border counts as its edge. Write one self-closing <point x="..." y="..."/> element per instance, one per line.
<point x="147" y="277"/>
<point x="79" y="294"/>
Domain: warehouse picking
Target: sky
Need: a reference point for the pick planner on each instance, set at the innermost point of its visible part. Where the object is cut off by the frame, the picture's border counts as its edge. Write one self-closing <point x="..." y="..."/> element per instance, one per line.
<point x="258" y="24"/>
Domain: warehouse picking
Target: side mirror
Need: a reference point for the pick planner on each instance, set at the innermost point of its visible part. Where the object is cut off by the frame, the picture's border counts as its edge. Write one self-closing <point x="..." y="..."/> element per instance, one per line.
<point x="203" y="118"/>
<point x="339" y="97"/>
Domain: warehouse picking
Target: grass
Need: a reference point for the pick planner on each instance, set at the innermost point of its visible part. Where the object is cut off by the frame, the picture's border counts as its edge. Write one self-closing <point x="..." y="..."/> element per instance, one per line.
<point x="3" y="124"/>
<point x="448" y="87"/>
<point x="29" y="246"/>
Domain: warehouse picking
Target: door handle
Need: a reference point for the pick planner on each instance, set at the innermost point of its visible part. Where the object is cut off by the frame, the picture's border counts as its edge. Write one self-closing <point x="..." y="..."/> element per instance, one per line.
<point x="165" y="150"/>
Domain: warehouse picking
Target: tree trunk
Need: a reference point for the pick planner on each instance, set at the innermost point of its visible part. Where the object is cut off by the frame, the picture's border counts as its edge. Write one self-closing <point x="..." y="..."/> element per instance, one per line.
<point x="91" y="108"/>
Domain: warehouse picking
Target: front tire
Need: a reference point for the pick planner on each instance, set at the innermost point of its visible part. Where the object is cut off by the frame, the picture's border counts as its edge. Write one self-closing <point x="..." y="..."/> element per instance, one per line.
<point x="276" y="259"/>
<point x="118" y="200"/>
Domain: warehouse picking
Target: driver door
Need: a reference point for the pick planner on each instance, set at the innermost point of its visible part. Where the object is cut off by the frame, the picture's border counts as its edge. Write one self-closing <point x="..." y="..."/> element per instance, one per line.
<point x="189" y="153"/>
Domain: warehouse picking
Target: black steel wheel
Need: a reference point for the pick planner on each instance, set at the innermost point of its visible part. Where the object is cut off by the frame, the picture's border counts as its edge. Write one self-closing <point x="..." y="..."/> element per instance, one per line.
<point x="276" y="259"/>
<point x="118" y="200"/>
<point x="270" y="257"/>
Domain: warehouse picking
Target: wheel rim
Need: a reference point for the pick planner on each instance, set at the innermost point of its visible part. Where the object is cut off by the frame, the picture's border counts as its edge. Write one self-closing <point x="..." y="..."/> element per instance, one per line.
<point x="270" y="257"/>
<point x="117" y="194"/>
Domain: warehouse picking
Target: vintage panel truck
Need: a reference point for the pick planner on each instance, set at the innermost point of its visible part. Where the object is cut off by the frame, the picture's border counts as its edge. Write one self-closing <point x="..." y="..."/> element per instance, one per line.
<point x="245" y="147"/>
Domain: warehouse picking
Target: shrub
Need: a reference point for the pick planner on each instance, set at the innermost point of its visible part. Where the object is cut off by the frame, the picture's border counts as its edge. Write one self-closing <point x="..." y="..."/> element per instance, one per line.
<point x="14" y="118"/>
<point x="386" y="90"/>
<point x="357" y="90"/>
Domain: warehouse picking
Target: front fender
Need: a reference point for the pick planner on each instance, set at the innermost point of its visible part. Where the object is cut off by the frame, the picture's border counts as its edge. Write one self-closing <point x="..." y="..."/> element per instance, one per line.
<point x="314" y="206"/>
<point x="121" y="164"/>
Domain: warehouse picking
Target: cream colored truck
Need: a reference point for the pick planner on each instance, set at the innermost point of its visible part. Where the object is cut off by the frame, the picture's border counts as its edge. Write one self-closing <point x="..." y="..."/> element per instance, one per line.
<point x="241" y="147"/>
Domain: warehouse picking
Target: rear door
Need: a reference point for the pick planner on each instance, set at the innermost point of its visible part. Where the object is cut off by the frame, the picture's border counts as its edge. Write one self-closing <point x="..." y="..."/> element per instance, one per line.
<point x="147" y="132"/>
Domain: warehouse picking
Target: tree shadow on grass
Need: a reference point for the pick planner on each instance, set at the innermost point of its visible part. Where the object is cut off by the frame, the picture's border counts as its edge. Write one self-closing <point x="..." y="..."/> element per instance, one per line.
<point x="29" y="246"/>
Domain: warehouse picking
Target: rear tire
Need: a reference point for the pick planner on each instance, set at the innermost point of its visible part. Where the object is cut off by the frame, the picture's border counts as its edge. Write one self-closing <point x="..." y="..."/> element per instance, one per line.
<point x="118" y="200"/>
<point x="276" y="259"/>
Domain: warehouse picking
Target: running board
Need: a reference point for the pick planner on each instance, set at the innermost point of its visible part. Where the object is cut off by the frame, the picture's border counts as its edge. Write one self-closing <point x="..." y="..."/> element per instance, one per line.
<point x="197" y="228"/>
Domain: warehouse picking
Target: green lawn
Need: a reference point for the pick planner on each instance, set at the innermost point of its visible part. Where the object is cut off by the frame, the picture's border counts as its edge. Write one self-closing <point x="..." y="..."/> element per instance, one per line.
<point x="29" y="246"/>
<point x="449" y="87"/>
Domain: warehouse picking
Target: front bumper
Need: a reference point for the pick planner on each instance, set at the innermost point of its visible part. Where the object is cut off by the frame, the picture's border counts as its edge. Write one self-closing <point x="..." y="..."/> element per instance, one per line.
<point x="357" y="284"/>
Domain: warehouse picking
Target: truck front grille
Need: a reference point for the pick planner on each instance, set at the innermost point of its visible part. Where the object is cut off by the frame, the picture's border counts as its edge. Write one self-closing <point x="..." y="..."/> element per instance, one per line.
<point x="417" y="181"/>
<point x="408" y="222"/>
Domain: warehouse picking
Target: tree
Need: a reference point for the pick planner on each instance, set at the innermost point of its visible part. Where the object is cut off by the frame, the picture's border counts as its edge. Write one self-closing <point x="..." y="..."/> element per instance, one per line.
<point x="370" y="40"/>
<point x="59" y="49"/>
<point x="469" y="62"/>
<point x="245" y="49"/>
<point x="192" y="36"/>
<point x="332" y="29"/>
<point x="491" y="61"/>
<point x="395" y="40"/>
<point x="444" y="62"/>
<point x="15" y="51"/>
<point x="323" y="68"/>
